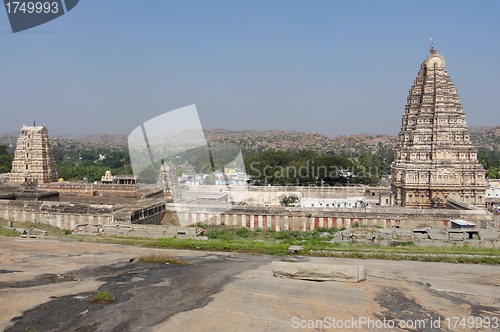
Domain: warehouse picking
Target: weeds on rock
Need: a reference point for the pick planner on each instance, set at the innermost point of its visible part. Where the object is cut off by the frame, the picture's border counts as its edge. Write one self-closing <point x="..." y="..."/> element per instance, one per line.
<point x="103" y="297"/>
<point x="162" y="259"/>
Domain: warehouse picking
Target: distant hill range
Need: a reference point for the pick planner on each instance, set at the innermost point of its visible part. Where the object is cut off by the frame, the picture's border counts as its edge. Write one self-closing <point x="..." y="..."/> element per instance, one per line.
<point x="486" y="137"/>
<point x="253" y="140"/>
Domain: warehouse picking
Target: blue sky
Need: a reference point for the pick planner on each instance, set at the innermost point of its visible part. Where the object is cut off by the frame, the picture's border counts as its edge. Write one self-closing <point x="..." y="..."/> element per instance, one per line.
<point x="330" y="67"/>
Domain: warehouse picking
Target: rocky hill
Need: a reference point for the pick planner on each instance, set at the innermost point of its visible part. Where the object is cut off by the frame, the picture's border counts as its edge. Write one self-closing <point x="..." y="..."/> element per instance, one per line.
<point x="252" y="140"/>
<point x="487" y="138"/>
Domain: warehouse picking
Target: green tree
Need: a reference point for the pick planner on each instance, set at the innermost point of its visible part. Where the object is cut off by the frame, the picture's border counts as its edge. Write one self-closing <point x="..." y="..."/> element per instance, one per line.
<point x="6" y="159"/>
<point x="287" y="200"/>
<point x="210" y="179"/>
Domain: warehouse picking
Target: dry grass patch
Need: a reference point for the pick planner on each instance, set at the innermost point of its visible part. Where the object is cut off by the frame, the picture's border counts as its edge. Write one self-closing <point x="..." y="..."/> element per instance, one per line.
<point x="162" y="259"/>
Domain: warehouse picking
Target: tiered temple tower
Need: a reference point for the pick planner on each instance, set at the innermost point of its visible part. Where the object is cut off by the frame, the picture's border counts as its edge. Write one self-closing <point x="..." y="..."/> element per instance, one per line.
<point x="168" y="179"/>
<point x="33" y="160"/>
<point x="434" y="159"/>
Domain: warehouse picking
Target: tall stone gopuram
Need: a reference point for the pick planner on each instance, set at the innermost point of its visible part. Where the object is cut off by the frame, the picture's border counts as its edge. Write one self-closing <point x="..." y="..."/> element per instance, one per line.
<point x="33" y="160"/>
<point x="434" y="159"/>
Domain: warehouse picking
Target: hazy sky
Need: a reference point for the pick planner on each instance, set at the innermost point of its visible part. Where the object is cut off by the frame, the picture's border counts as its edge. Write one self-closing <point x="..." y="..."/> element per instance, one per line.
<point x="331" y="67"/>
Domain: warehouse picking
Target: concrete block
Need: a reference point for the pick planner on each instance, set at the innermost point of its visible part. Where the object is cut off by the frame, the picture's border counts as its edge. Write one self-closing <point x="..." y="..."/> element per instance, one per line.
<point x="135" y="233"/>
<point x="346" y="234"/>
<point x="36" y="231"/>
<point x="90" y="228"/>
<point x="184" y="236"/>
<point x="471" y="243"/>
<point x="319" y="272"/>
<point x="156" y="230"/>
<point x="438" y="236"/>
<point x="384" y="236"/>
<point x="403" y="232"/>
<point x="388" y="243"/>
<point x="337" y="237"/>
<point x="295" y="248"/>
<point x="487" y="244"/>
<point x="489" y="235"/>
<point x="456" y="236"/>
<point x="430" y="243"/>
<point x="421" y="236"/>
<point x="21" y="230"/>
<point x="180" y="231"/>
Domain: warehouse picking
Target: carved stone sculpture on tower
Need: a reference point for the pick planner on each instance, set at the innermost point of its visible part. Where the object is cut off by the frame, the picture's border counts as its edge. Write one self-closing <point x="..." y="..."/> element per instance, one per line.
<point x="434" y="159"/>
<point x="33" y="160"/>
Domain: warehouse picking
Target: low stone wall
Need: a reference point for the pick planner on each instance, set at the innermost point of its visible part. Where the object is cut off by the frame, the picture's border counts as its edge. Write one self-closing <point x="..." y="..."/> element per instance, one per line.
<point x="307" y="219"/>
<point x="90" y="189"/>
<point x="13" y="192"/>
<point x="150" y="231"/>
<point x="152" y="211"/>
<point x="67" y="215"/>
<point x="61" y="214"/>
<point x="423" y="237"/>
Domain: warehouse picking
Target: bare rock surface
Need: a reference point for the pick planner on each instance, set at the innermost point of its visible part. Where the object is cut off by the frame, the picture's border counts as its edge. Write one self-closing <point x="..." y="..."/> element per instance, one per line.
<point x="45" y="285"/>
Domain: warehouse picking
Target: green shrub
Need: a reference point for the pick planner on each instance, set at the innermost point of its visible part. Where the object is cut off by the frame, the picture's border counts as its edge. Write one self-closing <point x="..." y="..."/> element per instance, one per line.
<point x="8" y="232"/>
<point x="221" y="235"/>
<point x="242" y="232"/>
<point x="103" y="297"/>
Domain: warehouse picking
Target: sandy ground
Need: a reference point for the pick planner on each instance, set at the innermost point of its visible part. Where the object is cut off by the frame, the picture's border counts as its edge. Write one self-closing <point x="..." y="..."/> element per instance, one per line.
<point x="45" y="285"/>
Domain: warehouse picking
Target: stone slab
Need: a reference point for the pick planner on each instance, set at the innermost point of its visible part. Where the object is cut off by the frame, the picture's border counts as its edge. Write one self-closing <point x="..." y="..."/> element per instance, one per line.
<point x="319" y="272"/>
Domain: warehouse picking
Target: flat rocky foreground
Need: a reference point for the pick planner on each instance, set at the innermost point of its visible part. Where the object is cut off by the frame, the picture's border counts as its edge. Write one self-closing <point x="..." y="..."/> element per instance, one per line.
<point x="45" y="285"/>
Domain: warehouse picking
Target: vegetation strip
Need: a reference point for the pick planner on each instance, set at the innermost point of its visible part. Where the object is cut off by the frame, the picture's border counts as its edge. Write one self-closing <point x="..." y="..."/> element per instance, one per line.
<point x="314" y="243"/>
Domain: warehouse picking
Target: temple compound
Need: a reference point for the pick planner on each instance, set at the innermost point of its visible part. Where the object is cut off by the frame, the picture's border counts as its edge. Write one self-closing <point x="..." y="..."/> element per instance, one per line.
<point x="435" y="160"/>
<point x="33" y="160"/>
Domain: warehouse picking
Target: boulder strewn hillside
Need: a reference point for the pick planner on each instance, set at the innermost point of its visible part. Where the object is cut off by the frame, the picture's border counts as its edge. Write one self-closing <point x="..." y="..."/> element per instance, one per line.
<point x="486" y="138"/>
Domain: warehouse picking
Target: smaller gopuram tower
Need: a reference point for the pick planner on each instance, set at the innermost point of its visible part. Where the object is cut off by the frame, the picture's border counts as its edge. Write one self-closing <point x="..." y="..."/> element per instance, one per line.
<point x="33" y="160"/>
<point x="434" y="159"/>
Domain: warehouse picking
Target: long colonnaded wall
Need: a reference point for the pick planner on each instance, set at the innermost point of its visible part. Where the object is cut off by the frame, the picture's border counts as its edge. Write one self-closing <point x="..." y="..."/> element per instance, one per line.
<point x="67" y="215"/>
<point x="307" y="219"/>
